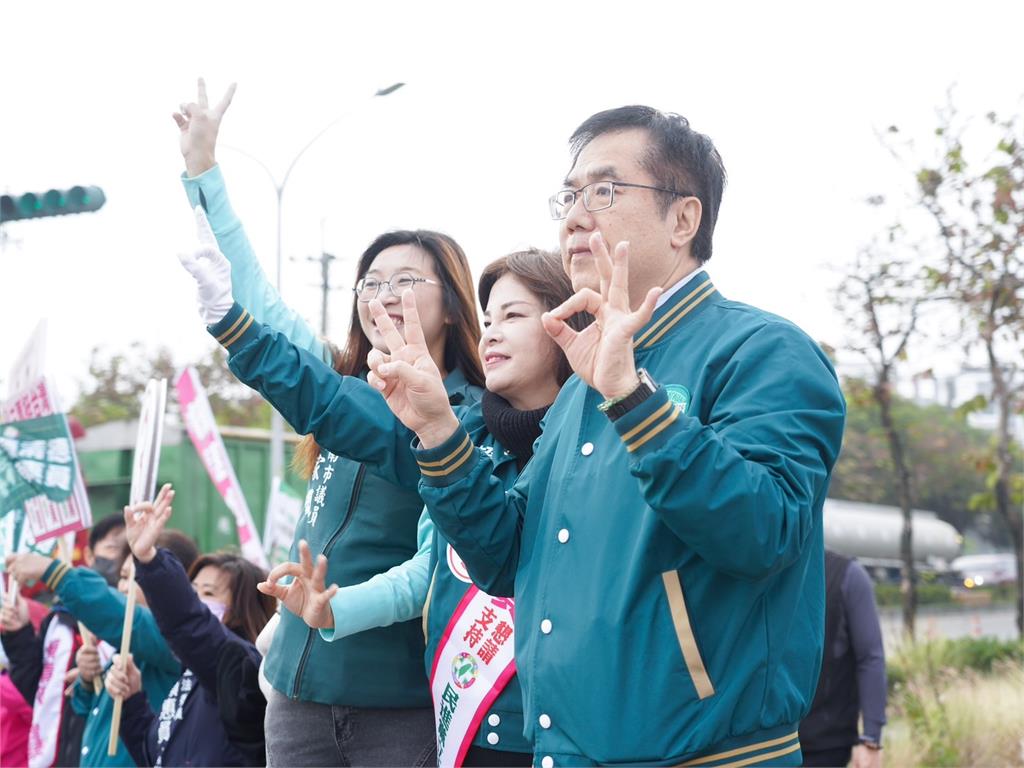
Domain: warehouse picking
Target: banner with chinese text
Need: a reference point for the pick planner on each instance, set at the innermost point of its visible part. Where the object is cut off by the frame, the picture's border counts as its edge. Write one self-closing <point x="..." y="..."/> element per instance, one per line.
<point x="202" y="430"/>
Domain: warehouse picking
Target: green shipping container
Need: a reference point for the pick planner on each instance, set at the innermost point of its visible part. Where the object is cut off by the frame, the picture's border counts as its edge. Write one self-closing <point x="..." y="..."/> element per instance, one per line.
<point x="106" y="454"/>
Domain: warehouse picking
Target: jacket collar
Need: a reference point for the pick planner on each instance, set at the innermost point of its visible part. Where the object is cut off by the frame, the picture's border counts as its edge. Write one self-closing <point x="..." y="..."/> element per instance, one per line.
<point x="685" y="303"/>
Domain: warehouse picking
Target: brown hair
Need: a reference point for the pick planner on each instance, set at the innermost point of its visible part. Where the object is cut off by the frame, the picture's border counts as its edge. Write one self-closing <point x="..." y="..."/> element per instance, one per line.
<point x="250" y="609"/>
<point x="541" y="274"/>
<point x="463" y="325"/>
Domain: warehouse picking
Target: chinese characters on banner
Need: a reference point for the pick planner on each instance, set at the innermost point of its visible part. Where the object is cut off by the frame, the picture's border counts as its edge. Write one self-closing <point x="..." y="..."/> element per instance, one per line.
<point x="202" y="430"/>
<point x="33" y="397"/>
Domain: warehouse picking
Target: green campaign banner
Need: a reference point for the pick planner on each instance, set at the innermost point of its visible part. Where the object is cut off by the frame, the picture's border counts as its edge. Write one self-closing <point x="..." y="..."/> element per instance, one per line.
<point x="36" y="459"/>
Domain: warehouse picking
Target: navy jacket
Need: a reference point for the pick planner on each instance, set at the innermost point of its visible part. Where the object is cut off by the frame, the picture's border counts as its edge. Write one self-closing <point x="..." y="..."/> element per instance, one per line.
<point x="216" y="728"/>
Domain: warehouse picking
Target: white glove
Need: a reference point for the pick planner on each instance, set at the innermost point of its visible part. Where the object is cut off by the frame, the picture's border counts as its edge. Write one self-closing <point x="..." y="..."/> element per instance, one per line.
<point x="212" y="272"/>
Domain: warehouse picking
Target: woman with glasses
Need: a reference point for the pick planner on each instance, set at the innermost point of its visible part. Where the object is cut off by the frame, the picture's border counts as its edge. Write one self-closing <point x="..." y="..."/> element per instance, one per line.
<point x="470" y="635"/>
<point x="361" y="700"/>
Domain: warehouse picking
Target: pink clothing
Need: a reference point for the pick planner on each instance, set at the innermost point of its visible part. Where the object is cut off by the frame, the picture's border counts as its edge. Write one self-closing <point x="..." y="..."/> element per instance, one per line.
<point x="15" y="721"/>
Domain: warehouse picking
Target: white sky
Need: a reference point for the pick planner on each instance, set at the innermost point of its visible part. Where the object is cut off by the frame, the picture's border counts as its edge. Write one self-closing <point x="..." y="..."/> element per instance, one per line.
<point x="792" y="94"/>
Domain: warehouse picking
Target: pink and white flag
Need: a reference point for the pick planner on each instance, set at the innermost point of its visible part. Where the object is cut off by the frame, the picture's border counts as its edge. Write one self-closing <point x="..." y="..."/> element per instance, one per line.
<point x="202" y="430"/>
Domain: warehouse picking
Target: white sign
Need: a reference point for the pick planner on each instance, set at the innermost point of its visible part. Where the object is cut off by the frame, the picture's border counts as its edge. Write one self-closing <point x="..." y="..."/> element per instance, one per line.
<point x="283" y="511"/>
<point x="147" y="443"/>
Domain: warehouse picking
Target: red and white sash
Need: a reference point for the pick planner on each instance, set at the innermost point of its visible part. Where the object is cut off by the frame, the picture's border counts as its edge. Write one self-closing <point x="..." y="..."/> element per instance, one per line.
<point x="474" y="661"/>
<point x="46" y="712"/>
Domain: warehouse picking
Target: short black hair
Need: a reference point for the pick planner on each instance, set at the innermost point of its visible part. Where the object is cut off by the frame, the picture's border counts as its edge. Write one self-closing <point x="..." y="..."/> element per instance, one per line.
<point x="679" y="158"/>
<point x="105" y="527"/>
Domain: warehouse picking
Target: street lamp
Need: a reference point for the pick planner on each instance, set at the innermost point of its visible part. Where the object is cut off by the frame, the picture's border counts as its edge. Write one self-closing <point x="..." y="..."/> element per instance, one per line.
<point x="276" y="421"/>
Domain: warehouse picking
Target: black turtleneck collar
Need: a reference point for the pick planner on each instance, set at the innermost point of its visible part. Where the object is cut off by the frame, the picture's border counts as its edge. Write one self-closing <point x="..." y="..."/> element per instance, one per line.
<point x="515" y="430"/>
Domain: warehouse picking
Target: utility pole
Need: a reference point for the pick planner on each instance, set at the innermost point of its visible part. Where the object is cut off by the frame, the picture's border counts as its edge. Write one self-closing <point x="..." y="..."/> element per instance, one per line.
<point x="325" y="260"/>
<point x="276" y="420"/>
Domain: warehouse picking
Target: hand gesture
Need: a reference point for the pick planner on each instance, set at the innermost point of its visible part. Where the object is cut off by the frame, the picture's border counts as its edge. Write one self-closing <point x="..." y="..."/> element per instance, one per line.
<point x="306" y="596"/>
<point x="199" y="125"/>
<point x="408" y="376"/>
<point x="602" y="353"/>
<point x="27" y="566"/>
<point x="123" y="679"/>
<point x="87" y="659"/>
<point x="211" y="270"/>
<point x="13" y="617"/>
<point x="143" y="523"/>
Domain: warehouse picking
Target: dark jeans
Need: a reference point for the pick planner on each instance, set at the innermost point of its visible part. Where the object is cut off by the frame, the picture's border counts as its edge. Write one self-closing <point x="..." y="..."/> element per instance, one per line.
<point x="303" y="733"/>
<point x="828" y="758"/>
<point x="478" y="757"/>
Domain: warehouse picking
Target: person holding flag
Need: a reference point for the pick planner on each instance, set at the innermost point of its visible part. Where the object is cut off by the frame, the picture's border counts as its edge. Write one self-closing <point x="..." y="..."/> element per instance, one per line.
<point x="213" y="715"/>
<point x="101" y="609"/>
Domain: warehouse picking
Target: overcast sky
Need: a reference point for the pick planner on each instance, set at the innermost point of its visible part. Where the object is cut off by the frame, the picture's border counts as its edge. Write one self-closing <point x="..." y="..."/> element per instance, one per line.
<point x="793" y="95"/>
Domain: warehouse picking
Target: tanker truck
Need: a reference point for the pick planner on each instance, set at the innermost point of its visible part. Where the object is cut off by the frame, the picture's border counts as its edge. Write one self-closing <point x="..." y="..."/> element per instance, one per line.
<point x="871" y="533"/>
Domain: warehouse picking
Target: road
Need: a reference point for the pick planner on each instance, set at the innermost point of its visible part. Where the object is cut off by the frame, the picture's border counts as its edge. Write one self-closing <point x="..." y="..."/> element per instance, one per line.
<point x="961" y="621"/>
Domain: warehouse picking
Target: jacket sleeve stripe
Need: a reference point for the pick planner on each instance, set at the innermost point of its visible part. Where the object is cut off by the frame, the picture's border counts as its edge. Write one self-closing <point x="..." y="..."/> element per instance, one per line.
<point x="229" y="331"/>
<point x="673" y="415"/>
<point x="241" y="330"/>
<point x="646" y="422"/>
<point x="57" y="576"/>
<point x="470" y="449"/>
<point x="447" y="458"/>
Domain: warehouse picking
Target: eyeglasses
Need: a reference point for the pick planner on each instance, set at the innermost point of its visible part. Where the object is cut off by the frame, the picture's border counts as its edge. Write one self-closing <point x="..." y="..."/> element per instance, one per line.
<point x="597" y="196"/>
<point x="369" y="288"/>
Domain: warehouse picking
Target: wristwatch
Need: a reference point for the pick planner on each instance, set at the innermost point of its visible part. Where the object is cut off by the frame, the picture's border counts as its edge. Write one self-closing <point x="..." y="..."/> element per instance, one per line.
<point x="870" y="743"/>
<point x="615" y="407"/>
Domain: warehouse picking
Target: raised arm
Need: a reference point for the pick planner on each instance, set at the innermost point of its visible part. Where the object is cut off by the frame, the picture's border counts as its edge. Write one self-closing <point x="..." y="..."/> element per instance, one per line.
<point x="100" y="607"/>
<point x="342" y="412"/>
<point x="194" y="634"/>
<point x="199" y="126"/>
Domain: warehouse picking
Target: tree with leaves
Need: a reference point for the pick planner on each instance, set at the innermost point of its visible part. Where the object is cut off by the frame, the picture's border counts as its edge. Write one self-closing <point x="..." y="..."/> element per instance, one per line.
<point x="117" y="380"/>
<point x="880" y="299"/>
<point x="976" y="207"/>
<point x="944" y="455"/>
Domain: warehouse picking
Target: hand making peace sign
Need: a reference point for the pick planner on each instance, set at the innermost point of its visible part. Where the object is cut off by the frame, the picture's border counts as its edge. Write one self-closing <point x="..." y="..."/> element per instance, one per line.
<point x="199" y="125"/>
<point x="408" y="377"/>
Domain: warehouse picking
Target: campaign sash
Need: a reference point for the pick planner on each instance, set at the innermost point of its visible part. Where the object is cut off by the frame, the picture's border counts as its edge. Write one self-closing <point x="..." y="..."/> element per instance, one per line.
<point x="474" y="661"/>
<point x="49" y="702"/>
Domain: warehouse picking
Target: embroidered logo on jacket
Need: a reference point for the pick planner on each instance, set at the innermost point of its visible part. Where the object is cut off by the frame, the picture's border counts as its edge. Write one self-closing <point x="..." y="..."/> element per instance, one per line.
<point x="679" y="395"/>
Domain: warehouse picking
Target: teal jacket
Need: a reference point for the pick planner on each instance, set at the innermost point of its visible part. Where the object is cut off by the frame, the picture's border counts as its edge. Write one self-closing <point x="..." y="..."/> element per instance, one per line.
<point x="364" y="522"/>
<point x="101" y="608"/>
<point x="366" y="526"/>
<point x="668" y="565"/>
<point x="346" y="416"/>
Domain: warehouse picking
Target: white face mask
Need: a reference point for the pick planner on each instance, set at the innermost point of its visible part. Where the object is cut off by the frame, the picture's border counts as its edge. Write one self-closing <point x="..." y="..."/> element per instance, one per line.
<point x="217" y="608"/>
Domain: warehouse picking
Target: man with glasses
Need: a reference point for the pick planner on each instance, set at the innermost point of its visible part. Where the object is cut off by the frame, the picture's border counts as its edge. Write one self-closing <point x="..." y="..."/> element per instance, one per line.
<point x="665" y="543"/>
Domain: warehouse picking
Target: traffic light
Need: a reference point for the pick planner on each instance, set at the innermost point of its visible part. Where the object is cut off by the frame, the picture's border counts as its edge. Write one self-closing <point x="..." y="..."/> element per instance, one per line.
<point x="55" y="202"/>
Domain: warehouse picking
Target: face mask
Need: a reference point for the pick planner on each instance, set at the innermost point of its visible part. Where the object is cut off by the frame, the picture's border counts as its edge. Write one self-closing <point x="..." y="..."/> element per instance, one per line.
<point x="216" y="607"/>
<point x="108" y="569"/>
